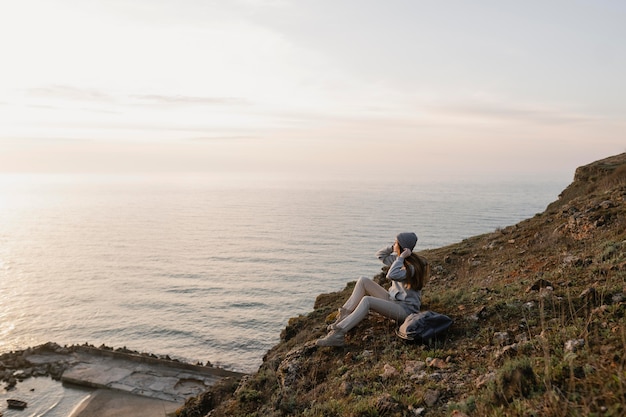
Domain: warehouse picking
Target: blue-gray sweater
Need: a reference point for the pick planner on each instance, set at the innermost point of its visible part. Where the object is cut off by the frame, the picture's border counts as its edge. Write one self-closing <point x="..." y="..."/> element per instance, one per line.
<point x="410" y="299"/>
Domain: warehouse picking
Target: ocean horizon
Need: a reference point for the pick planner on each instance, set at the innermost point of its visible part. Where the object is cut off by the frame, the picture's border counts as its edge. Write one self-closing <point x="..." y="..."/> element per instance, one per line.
<point x="208" y="268"/>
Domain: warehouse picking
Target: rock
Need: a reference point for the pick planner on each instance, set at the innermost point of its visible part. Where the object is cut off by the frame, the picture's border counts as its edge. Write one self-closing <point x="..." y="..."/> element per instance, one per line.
<point x="17" y="404"/>
<point x="11" y="383"/>
<point x="288" y="370"/>
<point x="539" y="284"/>
<point x="617" y="298"/>
<point x="388" y="372"/>
<point x="438" y="363"/>
<point x="574" y="344"/>
<point x="501" y="338"/>
<point x="435" y="376"/>
<point x="419" y="376"/>
<point x="431" y="396"/>
<point x="346" y="388"/>
<point x="413" y="367"/>
<point x="522" y="339"/>
<point x="56" y="370"/>
<point x="416" y="411"/>
<point x="367" y="354"/>
<point x="572" y="260"/>
<point x="529" y="305"/>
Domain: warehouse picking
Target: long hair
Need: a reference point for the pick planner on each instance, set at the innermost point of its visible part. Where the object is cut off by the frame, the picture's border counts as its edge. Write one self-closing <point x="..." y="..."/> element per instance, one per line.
<point x="417" y="271"/>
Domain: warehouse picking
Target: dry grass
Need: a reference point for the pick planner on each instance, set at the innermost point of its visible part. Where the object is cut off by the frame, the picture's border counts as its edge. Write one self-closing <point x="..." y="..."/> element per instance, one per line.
<point x="539" y="328"/>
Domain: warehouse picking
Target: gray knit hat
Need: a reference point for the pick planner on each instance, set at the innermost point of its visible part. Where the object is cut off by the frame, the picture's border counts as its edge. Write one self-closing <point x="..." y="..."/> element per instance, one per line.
<point x="407" y="240"/>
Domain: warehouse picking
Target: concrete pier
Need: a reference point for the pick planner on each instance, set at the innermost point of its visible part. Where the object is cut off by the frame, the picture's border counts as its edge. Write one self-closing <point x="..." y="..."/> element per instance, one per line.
<point x="127" y="384"/>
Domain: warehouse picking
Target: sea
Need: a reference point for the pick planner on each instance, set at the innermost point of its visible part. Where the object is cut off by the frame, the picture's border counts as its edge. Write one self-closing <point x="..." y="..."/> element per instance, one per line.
<point x="209" y="268"/>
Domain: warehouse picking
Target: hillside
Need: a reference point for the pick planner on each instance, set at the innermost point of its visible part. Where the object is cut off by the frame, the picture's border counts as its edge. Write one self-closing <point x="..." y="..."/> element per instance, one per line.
<point x="538" y="311"/>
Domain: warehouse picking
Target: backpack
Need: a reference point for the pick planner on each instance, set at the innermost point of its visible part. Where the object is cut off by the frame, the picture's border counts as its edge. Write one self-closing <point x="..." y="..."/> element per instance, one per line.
<point x="424" y="326"/>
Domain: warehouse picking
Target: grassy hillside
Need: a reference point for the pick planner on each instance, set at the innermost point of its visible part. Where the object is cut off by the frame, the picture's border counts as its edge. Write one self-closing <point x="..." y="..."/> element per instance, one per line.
<point x="539" y="328"/>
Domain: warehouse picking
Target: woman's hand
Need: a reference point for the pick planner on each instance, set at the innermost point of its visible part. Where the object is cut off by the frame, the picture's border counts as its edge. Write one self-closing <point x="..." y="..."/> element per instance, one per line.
<point x="406" y="253"/>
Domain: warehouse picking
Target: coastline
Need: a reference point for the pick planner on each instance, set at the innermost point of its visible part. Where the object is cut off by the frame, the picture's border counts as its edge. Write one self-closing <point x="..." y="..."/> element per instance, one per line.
<point x="113" y="382"/>
<point x="491" y="282"/>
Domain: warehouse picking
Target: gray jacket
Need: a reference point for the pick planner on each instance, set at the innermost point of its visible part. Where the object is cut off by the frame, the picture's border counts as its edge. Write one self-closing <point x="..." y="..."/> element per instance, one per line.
<point x="410" y="299"/>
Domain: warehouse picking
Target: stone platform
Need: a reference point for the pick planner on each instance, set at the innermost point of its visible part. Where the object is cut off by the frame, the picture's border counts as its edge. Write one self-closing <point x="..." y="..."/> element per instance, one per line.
<point x="129" y="384"/>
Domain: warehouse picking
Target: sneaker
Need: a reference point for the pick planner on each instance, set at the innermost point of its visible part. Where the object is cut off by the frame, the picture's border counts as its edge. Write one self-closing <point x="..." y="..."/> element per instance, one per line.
<point x="334" y="338"/>
<point x="342" y="313"/>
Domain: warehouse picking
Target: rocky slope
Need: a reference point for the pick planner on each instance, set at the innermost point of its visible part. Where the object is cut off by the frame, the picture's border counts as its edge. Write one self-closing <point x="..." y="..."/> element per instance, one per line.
<point x="538" y="330"/>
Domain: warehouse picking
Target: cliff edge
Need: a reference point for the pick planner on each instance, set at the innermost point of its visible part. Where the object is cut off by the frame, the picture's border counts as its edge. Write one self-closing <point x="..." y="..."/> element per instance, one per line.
<point x="538" y="311"/>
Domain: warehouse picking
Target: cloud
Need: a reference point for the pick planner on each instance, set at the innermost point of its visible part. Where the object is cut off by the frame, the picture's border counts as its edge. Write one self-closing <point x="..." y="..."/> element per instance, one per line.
<point x="229" y="138"/>
<point x="70" y="93"/>
<point x="189" y="100"/>
<point x="73" y="93"/>
<point x="501" y="112"/>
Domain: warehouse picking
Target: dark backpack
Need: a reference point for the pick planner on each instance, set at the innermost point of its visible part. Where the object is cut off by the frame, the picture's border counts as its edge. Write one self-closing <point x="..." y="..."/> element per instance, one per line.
<point x="424" y="326"/>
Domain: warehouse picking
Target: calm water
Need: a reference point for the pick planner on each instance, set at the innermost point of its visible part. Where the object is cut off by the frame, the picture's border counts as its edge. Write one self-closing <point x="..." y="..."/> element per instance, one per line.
<point x="205" y="269"/>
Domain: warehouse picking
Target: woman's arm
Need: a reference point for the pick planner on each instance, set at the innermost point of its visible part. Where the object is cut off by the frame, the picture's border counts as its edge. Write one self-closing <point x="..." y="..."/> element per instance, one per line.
<point x="396" y="270"/>
<point x="386" y="255"/>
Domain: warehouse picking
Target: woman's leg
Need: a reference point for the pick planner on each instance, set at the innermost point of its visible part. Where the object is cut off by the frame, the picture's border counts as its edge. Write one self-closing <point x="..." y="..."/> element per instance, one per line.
<point x="357" y="307"/>
<point x="364" y="286"/>
<point x="385" y="307"/>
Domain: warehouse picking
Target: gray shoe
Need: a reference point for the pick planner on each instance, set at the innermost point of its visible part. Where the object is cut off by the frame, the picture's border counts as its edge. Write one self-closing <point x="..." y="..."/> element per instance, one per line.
<point x="342" y="313"/>
<point x="335" y="338"/>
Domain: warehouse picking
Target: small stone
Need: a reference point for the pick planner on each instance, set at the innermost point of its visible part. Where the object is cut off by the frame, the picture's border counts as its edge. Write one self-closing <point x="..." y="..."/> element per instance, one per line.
<point x="501" y="338"/>
<point x="522" y="337"/>
<point x="435" y="376"/>
<point x="419" y="376"/>
<point x="413" y="367"/>
<point x="574" y="344"/>
<point x="416" y="411"/>
<point x="431" y="396"/>
<point x="388" y="372"/>
<point x="571" y="259"/>
<point x="438" y="363"/>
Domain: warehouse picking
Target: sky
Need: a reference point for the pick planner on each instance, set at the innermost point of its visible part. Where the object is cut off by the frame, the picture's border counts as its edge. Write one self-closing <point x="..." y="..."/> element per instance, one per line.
<point x="406" y="89"/>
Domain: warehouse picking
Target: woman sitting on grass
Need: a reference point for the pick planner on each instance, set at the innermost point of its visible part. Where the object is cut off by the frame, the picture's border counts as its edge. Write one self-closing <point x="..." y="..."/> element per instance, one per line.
<point x="408" y="273"/>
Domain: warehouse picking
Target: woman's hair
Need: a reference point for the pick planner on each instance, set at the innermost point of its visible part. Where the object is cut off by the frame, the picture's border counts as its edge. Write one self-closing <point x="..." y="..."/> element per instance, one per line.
<point x="417" y="271"/>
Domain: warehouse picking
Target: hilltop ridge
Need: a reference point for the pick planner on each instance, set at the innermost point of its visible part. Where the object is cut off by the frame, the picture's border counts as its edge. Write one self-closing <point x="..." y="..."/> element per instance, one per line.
<point x="538" y="311"/>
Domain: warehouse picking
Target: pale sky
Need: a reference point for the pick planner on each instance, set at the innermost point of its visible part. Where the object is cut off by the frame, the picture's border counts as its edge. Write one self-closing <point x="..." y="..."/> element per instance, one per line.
<point x="347" y="88"/>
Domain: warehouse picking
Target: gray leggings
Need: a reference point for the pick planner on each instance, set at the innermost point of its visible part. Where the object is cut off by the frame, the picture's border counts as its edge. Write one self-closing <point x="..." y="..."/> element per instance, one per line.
<point x="369" y="295"/>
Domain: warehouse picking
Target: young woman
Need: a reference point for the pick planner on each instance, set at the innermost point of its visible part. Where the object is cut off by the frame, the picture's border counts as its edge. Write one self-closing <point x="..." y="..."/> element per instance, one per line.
<point x="408" y="273"/>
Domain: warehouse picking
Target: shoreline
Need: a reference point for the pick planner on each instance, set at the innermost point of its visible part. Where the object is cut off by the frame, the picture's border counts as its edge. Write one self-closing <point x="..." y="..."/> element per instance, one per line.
<point x="114" y="381"/>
